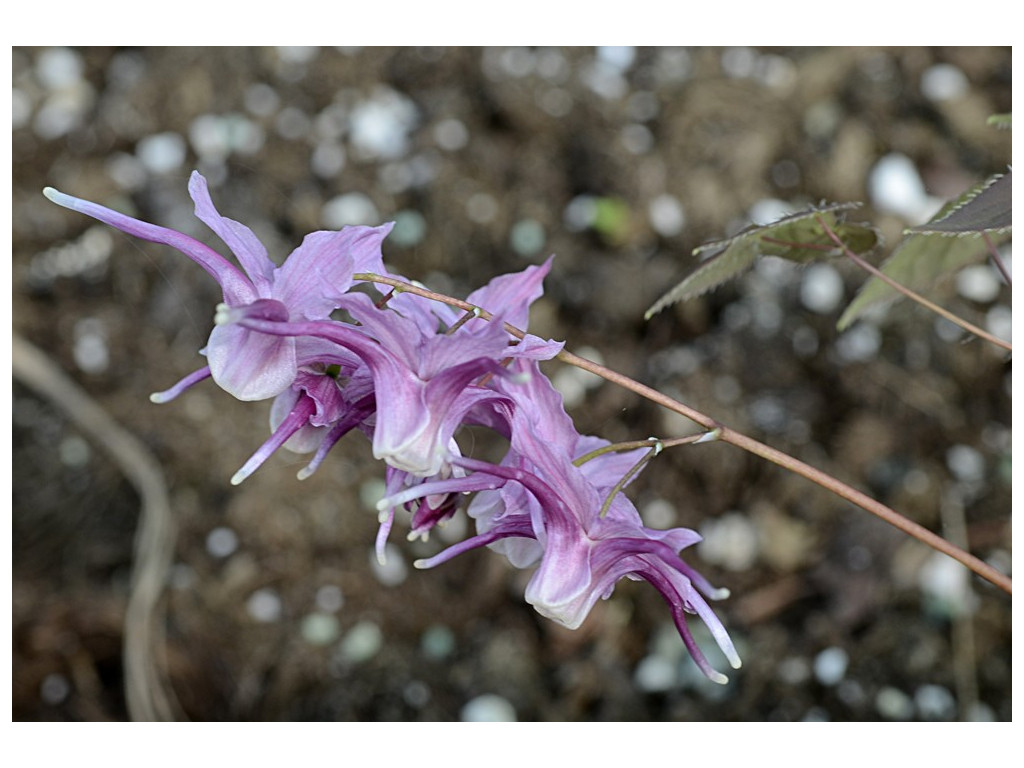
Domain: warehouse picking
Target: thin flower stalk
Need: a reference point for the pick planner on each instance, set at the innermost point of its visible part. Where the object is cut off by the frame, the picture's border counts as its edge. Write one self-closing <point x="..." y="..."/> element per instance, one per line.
<point x="740" y="440"/>
<point x="916" y="297"/>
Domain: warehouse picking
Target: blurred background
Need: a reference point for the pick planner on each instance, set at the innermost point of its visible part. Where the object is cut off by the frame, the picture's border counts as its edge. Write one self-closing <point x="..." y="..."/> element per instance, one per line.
<point x="620" y="161"/>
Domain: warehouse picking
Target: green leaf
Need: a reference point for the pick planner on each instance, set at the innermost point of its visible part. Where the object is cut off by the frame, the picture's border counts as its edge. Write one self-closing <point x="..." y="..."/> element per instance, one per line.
<point x="798" y="237"/>
<point x="985" y="208"/>
<point x="954" y="239"/>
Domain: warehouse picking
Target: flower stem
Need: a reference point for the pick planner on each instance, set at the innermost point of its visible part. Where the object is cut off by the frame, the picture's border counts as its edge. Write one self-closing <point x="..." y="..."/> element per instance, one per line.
<point x="956" y="319"/>
<point x="996" y="258"/>
<point x="655" y="450"/>
<point x="740" y="440"/>
<point x="650" y="442"/>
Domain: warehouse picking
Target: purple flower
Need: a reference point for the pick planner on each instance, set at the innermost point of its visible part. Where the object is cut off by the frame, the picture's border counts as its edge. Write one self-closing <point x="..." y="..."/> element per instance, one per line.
<point x="332" y="394"/>
<point x="551" y="511"/>
<point x="409" y="375"/>
<point x="307" y="286"/>
<point x="425" y="381"/>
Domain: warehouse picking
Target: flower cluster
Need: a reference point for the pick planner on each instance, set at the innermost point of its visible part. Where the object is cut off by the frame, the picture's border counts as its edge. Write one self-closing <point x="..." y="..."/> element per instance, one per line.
<point x="409" y="372"/>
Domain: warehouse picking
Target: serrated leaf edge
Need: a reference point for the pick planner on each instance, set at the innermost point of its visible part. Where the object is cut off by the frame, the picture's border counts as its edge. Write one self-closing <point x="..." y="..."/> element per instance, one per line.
<point x="959" y="203"/>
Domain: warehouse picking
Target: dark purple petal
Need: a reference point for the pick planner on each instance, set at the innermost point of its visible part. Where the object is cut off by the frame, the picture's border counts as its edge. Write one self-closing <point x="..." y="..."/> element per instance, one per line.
<point x="338" y="430"/>
<point x="682" y="600"/>
<point x="295" y="420"/>
<point x="517" y="528"/>
<point x="429" y="515"/>
<point x="308" y="437"/>
<point x="331" y="403"/>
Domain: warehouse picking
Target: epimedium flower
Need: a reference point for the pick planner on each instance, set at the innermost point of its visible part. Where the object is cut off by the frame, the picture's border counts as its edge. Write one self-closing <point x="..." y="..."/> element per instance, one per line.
<point x="409" y="372"/>
<point x="332" y="394"/>
<point x="307" y="286"/>
<point x="425" y="379"/>
<point x="432" y="500"/>
<point x="558" y="506"/>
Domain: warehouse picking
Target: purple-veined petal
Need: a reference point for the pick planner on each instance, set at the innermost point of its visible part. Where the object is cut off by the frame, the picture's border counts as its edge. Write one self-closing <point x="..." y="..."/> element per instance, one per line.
<point x="357" y="414"/>
<point x="510" y="296"/>
<point x="249" y="251"/>
<point x="421" y="447"/>
<point x="238" y="289"/>
<point x="402" y="435"/>
<point x="400" y="336"/>
<point x="680" y="599"/>
<point x="318" y="353"/>
<point x="308" y="437"/>
<point x="486" y="340"/>
<point x="557" y="515"/>
<point x="250" y="365"/>
<point x="319" y="272"/>
<point x="562" y="578"/>
<point x="466" y="484"/>
<point x="493" y="509"/>
<point x="415" y="418"/>
<point x="532" y="347"/>
<point x="539" y="406"/>
<point x="403" y="419"/>
<point x="366" y="248"/>
<point x="295" y="420"/>
<point x="516" y="528"/>
<point x="331" y="402"/>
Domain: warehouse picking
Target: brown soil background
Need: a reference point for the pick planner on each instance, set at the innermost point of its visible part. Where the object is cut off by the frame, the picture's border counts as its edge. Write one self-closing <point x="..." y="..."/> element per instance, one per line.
<point x="827" y="575"/>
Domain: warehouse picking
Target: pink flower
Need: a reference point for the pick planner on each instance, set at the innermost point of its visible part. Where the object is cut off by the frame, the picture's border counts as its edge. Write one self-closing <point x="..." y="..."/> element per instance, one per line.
<point x="307" y="286"/>
<point x="425" y="380"/>
<point x="554" y="513"/>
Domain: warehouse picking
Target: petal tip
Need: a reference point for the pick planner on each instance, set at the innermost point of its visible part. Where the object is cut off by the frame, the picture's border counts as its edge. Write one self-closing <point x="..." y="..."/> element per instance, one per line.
<point x="58" y="197"/>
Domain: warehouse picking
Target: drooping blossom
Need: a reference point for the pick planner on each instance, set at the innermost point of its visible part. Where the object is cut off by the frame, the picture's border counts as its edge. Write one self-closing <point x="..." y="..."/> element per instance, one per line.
<point x="254" y="366"/>
<point x="410" y="373"/>
<point x="332" y="394"/>
<point x="425" y="380"/>
<point x="556" y="514"/>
